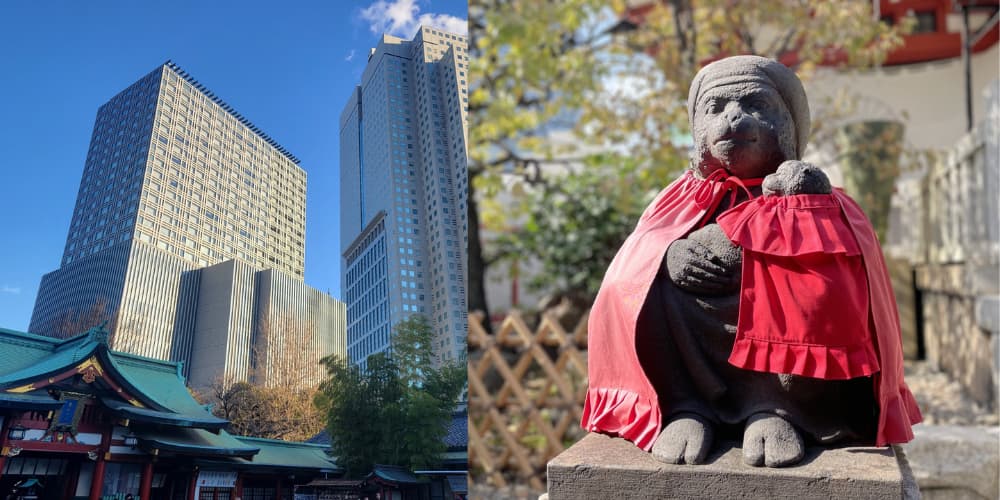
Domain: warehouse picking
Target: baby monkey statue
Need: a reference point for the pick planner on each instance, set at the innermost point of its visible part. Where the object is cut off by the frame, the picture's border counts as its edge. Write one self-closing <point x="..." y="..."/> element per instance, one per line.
<point x="751" y="298"/>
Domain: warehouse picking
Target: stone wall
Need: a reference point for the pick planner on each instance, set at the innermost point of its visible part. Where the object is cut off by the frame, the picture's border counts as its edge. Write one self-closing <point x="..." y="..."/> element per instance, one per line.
<point x="947" y="224"/>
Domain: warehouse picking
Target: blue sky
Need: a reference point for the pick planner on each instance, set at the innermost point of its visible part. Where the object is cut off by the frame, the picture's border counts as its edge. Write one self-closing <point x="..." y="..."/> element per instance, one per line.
<point x="288" y="67"/>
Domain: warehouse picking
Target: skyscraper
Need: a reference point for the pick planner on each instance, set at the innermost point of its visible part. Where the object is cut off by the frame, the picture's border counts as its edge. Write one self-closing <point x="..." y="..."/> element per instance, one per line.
<point x="404" y="188"/>
<point x="175" y="181"/>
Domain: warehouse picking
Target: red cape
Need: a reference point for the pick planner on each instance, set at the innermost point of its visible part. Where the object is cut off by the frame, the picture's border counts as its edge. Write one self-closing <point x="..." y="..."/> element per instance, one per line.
<point x="621" y="400"/>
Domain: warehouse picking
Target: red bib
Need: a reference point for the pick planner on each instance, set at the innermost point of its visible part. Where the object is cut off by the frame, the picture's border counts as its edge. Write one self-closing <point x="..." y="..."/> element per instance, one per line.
<point x="804" y="305"/>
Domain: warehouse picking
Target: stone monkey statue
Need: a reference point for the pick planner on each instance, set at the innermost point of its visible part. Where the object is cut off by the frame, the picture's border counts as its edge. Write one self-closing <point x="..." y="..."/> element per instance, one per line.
<point x="691" y="333"/>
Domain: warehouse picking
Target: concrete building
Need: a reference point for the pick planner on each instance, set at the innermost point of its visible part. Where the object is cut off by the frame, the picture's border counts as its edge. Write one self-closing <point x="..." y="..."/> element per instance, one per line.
<point x="265" y="326"/>
<point x="176" y="181"/>
<point x="404" y="188"/>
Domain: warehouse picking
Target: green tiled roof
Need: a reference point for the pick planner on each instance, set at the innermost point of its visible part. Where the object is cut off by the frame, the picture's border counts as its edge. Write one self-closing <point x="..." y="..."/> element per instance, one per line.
<point x="159" y="381"/>
<point x="26" y="357"/>
<point x="19" y="350"/>
<point x="194" y="442"/>
<point x="28" y="402"/>
<point x="393" y="473"/>
<point x="178" y="421"/>
<point x="207" y="421"/>
<point x="284" y="454"/>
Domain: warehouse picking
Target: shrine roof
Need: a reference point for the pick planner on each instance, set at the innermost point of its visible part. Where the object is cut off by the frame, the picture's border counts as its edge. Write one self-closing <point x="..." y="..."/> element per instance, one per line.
<point x="276" y="453"/>
<point x="28" y="362"/>
<point x="277" y="457"/>
<point x="28" y="402"/>
<point x="394" y="474"/>
<point x="146" y="415"/>
<point x="194" y="442"/>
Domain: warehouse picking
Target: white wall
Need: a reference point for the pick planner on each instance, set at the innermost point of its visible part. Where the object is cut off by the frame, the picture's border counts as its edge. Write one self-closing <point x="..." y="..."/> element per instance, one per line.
<point x="931" y="96"/>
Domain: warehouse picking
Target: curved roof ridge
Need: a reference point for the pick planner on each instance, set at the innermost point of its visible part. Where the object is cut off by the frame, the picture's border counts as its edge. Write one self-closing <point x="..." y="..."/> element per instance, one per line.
<point x="33" y="337"/>
<point x="144" y="361"/>
<point x="281" y="442"/>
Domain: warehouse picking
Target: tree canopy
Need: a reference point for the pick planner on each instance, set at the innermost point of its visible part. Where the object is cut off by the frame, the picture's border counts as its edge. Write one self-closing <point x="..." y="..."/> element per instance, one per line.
<point x="615" y="80"/>
<point x="397" y="410"/>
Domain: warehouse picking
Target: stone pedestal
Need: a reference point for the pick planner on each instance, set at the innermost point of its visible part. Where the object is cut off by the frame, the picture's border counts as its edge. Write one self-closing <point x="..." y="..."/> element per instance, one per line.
<point x="601" y="467"/>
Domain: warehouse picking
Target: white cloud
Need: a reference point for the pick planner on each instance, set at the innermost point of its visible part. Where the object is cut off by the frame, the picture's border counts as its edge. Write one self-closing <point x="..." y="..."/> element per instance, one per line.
<point x="446" y="22"/>
<point x="13" y="290"/>
<point x="350" y="56"/>
<point x="403" y="17"/>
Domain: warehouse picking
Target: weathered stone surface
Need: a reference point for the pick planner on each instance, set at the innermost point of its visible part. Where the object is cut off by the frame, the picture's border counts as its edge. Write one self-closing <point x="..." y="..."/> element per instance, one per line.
<point x="959" y="276"/>
<point x="901" y="274"/>
<point x="988" y="313"/>
<point x="957" y="344"/>
<point x="953" y="462"/>
<point x="600" y="467"/>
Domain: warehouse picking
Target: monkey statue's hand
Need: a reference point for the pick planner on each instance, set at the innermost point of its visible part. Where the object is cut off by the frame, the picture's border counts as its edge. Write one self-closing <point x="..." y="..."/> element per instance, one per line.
<point x="796" y="177"/>
<point x="704" y="263"/>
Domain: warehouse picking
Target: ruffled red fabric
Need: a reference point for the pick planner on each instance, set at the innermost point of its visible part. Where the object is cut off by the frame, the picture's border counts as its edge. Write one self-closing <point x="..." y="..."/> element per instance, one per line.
<point x="790" y="225"/>
<point x="623" y="413"/>
<point x="621" y="401"/>
<point x="898" y="410"/>
<point x="804" y="296"/>
<point x="818" y="361"/>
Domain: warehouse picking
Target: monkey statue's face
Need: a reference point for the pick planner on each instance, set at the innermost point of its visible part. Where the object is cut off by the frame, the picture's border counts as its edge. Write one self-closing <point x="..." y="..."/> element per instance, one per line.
<point x="742" y="127"/>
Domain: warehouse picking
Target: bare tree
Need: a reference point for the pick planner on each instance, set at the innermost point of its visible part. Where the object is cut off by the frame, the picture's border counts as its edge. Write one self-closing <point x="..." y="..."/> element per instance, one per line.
<point x="128" y="330"/>
<point x="74" y="322"/>
<point x="277" y="400"/>
<point x="267" y="412"/>
<point x="286" y="352"/>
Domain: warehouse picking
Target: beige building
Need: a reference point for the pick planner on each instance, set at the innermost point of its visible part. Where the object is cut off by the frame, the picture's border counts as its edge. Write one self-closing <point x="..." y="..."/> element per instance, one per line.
<point x="176" y="181"/>
<point x="267" y="327"/>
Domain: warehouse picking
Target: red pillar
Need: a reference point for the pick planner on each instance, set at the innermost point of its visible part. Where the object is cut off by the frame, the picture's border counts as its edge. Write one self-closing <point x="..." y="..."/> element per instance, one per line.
<point x="97" y="483"/>
<point x="147" y="480"/>
<point x="239" y="486"/>
<point x="277" y="491"/>
<point x="4" y="429"/>
<point x="191" y="486"/>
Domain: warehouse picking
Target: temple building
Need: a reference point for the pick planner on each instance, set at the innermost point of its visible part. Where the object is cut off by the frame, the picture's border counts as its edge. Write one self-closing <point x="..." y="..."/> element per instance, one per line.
<point x="78" y="420"/>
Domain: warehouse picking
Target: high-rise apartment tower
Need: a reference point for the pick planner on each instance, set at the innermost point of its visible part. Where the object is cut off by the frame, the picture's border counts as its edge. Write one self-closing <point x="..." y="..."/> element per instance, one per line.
<point x="404" y="187"/>
<point x="176" y="181"/>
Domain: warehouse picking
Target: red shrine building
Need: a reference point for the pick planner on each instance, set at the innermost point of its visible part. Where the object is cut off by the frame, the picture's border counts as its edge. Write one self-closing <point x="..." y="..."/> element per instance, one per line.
<point x="78" y="420"/>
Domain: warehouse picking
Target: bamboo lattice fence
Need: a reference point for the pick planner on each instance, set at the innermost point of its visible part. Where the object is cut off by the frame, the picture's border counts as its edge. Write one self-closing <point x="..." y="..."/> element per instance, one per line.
<point x="526" y="393"/>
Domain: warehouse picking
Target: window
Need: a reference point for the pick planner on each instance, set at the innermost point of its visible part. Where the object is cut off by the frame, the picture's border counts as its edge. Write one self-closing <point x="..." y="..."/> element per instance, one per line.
<point x="926" y="22"/>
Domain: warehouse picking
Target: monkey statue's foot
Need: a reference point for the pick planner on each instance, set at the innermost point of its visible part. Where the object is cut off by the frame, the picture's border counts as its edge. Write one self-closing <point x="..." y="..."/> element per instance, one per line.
<point x="686" y="439"/>
<point x="772" y="441"/>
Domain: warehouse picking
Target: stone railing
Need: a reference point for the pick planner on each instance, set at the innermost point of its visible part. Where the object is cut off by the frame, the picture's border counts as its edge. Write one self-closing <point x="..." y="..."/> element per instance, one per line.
<point x="526" y="392"/>
<point x="946" y="223"/>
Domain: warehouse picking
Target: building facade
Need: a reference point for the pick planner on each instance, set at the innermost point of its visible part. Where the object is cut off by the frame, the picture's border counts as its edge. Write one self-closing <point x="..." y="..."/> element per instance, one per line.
<point x="404" y="188"/>
<point x="263" y="326"/>
<point x="175" y="183"/>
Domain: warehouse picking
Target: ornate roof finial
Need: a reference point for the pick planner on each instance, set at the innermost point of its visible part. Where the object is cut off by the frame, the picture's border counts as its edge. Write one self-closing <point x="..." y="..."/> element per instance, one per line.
<point x="99" y="333"/>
